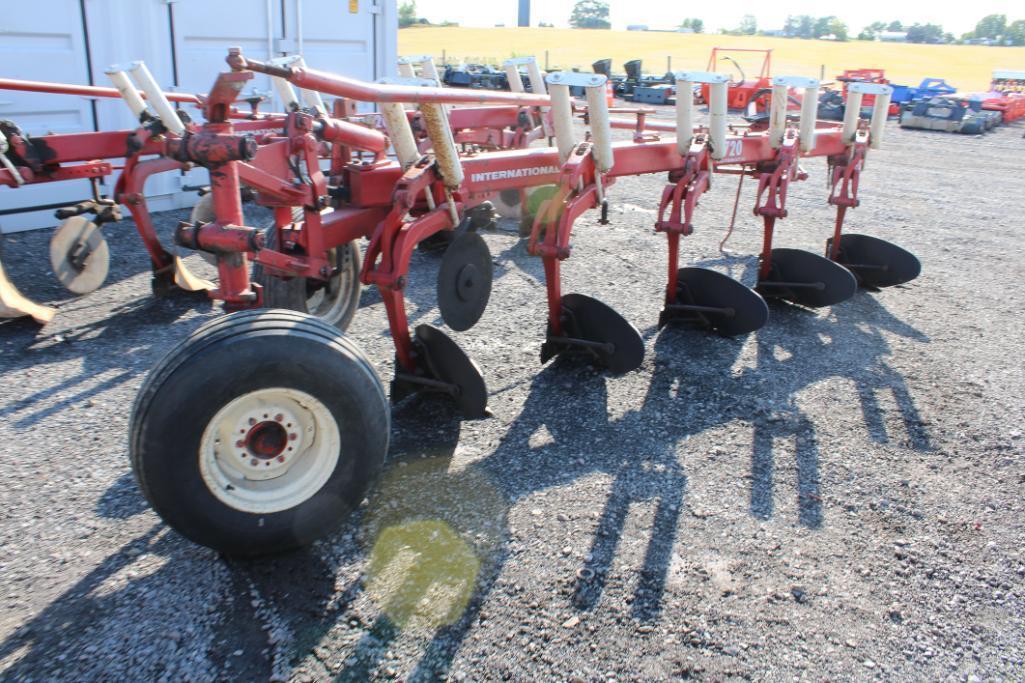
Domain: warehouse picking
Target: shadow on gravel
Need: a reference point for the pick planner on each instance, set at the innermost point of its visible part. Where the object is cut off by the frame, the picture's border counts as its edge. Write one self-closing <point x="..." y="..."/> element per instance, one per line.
<point x="295" y="594"/>
<point x="111" y="350"/>
<point x="439" y="521"/>
<point x="122" y="500"/>
<point x="564" y="433"/>
<point x="94" y="628"/>
<point x="799" y="349"/>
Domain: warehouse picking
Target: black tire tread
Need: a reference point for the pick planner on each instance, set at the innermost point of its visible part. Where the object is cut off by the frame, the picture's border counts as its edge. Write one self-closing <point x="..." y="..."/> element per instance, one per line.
<point x="217" y="331"/>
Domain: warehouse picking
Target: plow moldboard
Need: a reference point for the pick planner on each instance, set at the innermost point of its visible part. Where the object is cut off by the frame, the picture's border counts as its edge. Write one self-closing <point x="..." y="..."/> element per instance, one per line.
<point x="805" y="269"/>
<point x="876" y="262"/>
<point x="449" y="363"/>
<point x="704" y="287"/>
<point x="593" y="320"/>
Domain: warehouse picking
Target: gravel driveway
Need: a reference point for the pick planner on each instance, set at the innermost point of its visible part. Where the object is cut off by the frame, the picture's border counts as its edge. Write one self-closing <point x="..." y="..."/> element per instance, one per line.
<point x="838" y="496"/>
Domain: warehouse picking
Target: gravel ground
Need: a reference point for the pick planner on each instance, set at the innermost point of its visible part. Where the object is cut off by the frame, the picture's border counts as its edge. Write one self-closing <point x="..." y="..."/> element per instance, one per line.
<point x="838" y="496"/>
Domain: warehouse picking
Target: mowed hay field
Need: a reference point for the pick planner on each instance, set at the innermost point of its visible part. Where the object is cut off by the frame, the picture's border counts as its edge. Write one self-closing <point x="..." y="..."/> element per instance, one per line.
<point x="968" y="67"/>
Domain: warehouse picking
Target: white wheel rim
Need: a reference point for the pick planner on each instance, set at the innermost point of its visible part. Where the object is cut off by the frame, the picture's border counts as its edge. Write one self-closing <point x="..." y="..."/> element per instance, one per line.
<point x="330" y="301"/>
<point x="269" y="450"/>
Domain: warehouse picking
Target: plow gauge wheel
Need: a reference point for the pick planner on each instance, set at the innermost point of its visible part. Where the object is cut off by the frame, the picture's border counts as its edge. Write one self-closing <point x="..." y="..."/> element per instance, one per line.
<point x="717" y="301"/>
<point x="449" y="364"/>
<point x="593" y="326"/>
<point x="807" y="279"/>
<point x="876" y="262"/>
<point x="79" y="255"/>
<point x="464" y="281"/>
<point x="240" y="448"/>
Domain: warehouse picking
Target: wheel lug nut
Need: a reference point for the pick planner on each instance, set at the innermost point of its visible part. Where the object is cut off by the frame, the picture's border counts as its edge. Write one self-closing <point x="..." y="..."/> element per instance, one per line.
<point x="254" y="462"/>
<point x="279" y="417"/>
<point x="293" y="437"/>
<point x="252" y="421"/>
<point x="240" y="444"/>
<point x="281" y="458"/>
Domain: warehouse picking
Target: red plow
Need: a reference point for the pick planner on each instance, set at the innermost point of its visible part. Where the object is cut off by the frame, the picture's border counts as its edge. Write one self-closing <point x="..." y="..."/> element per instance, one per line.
<point x="263" y="430"/>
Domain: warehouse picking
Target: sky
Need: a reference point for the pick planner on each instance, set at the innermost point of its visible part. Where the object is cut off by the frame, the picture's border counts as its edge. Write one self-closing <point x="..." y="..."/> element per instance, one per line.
<point x="955" y="17"/>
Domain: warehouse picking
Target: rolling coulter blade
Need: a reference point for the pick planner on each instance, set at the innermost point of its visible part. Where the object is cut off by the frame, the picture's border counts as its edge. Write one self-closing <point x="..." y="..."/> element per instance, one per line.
<point x="876" y="262"/>
<point x="807" y="279"/>
<point x="593" y="327"/>
<point x="451" y="371"/>
<point x="79" y="255"/>
<point x="14" y="305"/>
<point x="711" y="299"/>
<point x="464" y="281"/>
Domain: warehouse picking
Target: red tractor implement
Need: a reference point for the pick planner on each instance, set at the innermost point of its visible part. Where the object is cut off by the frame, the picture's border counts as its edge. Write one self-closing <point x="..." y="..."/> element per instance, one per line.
<point x="744" y="88"/>
<point x="263" y="430"/>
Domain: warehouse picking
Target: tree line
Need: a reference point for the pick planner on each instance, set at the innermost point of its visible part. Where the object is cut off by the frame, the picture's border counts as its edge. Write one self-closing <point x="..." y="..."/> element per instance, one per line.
<point x="993" y="29"/>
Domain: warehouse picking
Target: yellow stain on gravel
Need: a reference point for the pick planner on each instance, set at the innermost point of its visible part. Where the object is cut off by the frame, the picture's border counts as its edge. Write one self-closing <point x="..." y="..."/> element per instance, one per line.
<point x="422" y="574"/>
<point x="968" y="67"/>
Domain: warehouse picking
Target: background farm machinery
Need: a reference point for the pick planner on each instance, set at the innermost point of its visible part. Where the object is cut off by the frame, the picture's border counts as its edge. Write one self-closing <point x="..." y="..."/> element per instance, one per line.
<point x="653" y="89"/>
<point x="270" y="393"/>
<point x="968" y="113"/>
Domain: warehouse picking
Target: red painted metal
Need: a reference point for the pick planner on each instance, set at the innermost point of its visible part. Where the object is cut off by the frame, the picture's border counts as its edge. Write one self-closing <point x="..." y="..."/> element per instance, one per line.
<point x="741" y="93"/>
<point x="84" y="90"/>
<point x="279" y="158"/>
<point x="340" y="86"/>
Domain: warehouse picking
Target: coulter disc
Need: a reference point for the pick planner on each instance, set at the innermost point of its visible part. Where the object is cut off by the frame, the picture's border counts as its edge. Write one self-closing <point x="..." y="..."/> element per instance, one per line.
<point x="464" y="281"/>
<point x="79" y="255"/>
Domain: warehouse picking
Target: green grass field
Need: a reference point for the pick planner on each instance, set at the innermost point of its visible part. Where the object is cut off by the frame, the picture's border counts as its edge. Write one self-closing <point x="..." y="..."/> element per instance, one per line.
<point x="967" y="67"/>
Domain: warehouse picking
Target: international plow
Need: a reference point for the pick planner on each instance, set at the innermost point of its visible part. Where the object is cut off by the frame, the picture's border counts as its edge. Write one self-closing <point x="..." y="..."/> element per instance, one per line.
<point x="263" y="430"/>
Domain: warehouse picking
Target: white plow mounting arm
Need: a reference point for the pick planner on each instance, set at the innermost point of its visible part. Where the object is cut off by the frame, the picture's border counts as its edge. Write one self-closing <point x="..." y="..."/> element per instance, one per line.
<point x="407" y="68"/>
<point x="809" y="109"/>
<point x="717" y="106"/>
<point x="284" y="89"/>
<point x="165" y="112"/>
<point x="880" y="110"/>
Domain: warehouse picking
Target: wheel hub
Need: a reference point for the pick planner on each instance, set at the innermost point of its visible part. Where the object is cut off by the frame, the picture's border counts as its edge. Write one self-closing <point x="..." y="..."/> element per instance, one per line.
<point x="269" y="440"/>
<point x="266" y="440"/>
<point x="269" y="450"/>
